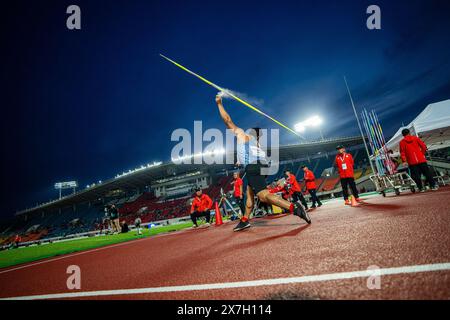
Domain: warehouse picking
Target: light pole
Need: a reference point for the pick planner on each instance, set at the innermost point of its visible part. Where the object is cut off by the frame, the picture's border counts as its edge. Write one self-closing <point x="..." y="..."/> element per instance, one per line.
<point x="359" y="126"/>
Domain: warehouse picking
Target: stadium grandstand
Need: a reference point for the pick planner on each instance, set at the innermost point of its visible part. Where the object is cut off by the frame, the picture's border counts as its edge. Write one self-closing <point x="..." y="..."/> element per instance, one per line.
<point x="159" y="193"/>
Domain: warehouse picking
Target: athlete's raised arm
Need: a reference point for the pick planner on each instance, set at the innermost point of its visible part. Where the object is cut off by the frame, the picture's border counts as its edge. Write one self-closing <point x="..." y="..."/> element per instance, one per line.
<point x="240" y="134"/>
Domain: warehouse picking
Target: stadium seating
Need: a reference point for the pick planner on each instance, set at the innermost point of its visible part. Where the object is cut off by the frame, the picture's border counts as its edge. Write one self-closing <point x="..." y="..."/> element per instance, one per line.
<point x="329" y="184"/>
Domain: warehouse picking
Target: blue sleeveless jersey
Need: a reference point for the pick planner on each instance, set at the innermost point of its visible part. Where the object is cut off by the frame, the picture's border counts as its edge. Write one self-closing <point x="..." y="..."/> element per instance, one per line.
<point x="250" y="153"/>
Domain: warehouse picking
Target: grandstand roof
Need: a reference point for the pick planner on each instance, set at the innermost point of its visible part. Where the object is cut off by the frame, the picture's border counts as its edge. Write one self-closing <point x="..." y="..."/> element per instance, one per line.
<point x="142" y="177"/>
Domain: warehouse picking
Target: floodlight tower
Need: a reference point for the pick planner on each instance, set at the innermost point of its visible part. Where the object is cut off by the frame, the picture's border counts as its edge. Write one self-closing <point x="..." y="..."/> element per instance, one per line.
<point x="314" y="121"/>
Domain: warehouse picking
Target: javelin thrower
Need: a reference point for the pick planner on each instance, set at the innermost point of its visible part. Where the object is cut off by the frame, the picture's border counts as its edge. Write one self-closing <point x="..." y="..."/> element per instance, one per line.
<point x="252" y="157"/>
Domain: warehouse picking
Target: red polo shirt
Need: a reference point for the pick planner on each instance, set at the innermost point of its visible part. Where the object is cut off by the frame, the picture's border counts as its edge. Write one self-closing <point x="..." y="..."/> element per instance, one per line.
<point x="237" y="187"/>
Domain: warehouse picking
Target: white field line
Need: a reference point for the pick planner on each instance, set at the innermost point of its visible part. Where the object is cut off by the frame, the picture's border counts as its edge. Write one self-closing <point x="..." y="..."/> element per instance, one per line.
<point x="243" y="284"/>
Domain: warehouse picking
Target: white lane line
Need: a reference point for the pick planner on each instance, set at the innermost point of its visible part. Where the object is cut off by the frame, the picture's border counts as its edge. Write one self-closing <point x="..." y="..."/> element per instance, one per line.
<point x="70" y="255"/>
<point x="242" y="284"/>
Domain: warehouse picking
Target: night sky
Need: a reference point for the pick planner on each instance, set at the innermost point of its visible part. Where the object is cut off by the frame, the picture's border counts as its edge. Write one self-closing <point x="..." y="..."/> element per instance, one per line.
<point x="89" y="104"/>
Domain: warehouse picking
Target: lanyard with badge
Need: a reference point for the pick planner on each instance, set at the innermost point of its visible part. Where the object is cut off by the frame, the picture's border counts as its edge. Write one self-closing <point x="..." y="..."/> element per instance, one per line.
<point x="343" y="165"/>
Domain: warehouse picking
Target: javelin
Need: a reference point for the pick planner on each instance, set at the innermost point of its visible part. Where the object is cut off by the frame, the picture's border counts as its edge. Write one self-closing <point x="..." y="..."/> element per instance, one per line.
<point x="245" y="103"/>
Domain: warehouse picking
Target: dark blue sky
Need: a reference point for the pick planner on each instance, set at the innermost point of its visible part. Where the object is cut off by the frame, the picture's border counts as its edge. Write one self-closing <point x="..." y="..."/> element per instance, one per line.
<point x="89" y="104"/>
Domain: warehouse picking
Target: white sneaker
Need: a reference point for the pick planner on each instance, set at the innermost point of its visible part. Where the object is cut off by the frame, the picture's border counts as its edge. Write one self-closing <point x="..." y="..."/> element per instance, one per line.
<point x="435" y="188"/>
<point x="207" y="224"/>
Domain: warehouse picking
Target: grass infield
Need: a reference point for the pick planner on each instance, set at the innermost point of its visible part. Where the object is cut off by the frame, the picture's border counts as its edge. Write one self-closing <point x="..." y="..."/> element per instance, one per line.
<point x="37" y="252"/>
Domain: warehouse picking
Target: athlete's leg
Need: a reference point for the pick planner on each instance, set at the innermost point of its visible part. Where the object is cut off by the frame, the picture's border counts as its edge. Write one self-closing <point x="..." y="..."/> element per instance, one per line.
<point x="240" y="203"/>
<point x="272" y="199"/>
<point x="297" y="209"/>
<point x="244" y="222"/>
<point x="250" y="202"/>
<point x="298" y="196"/>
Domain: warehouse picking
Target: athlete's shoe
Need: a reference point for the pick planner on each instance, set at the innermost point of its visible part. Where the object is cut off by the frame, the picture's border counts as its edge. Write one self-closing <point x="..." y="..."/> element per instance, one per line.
<point x="348" y="202"/>
<point x="207" y="224"/>
<point x="435" y="188"/>
<point x="242" y="225"/>
<point x="299" y="211"/>
<point x="194" y="226"/>
<point x="319" y="205"/>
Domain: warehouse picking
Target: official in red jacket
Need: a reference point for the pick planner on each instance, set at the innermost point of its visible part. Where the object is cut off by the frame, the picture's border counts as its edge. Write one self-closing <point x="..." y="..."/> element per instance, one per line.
<point x="311" y="186"/>
<point x="412" y="151"/>
<point x="344" y="163"/>
<point x="295" y="190"/>
<point x="238" y="191"/>
<point x="201" y="204"/>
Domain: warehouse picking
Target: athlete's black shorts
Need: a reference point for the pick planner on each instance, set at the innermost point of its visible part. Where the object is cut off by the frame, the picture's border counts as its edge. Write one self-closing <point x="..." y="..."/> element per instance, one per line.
<point x="254" y="178"/>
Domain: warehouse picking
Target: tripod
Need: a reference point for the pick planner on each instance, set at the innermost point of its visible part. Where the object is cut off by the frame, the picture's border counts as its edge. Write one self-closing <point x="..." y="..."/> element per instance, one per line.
<point x="224" y="201"/>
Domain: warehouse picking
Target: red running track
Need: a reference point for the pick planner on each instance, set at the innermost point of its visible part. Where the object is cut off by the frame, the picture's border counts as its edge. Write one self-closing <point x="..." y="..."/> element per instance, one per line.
<point x="403" y="231"/>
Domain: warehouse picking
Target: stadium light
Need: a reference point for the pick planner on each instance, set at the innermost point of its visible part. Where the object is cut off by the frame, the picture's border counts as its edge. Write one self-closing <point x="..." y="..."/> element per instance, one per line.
<point x="66" y="185"/>
<point x="142" y="167"/>
<point x="201" y="154"/>
<point x="314" y="121"/>
<point x="299" y="127"/>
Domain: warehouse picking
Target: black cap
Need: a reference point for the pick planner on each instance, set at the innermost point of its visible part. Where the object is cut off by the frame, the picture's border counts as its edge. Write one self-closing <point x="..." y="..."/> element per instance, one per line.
<point x="303" y="166"/>
<point x="339" y="147"/>
<point x="197" y="189"/>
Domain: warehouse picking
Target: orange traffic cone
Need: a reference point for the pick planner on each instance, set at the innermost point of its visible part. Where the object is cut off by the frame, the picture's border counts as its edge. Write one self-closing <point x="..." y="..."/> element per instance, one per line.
<point x="218" y="215"/>
<point x="354" y="203"/>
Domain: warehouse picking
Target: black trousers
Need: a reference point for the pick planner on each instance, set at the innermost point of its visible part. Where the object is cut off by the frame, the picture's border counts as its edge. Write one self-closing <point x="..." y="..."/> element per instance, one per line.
<point x="298" y="196"/>
<point x="240" y="203"/>
<point x="349" y="182"/>
<point x="416" y="174"/>
<point x="314" y="198"/>
<point x="198" y="214"/>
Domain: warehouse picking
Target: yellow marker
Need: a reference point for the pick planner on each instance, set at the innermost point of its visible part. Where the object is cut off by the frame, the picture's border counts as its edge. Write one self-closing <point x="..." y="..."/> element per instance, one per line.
<point x="245" y="103"/>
